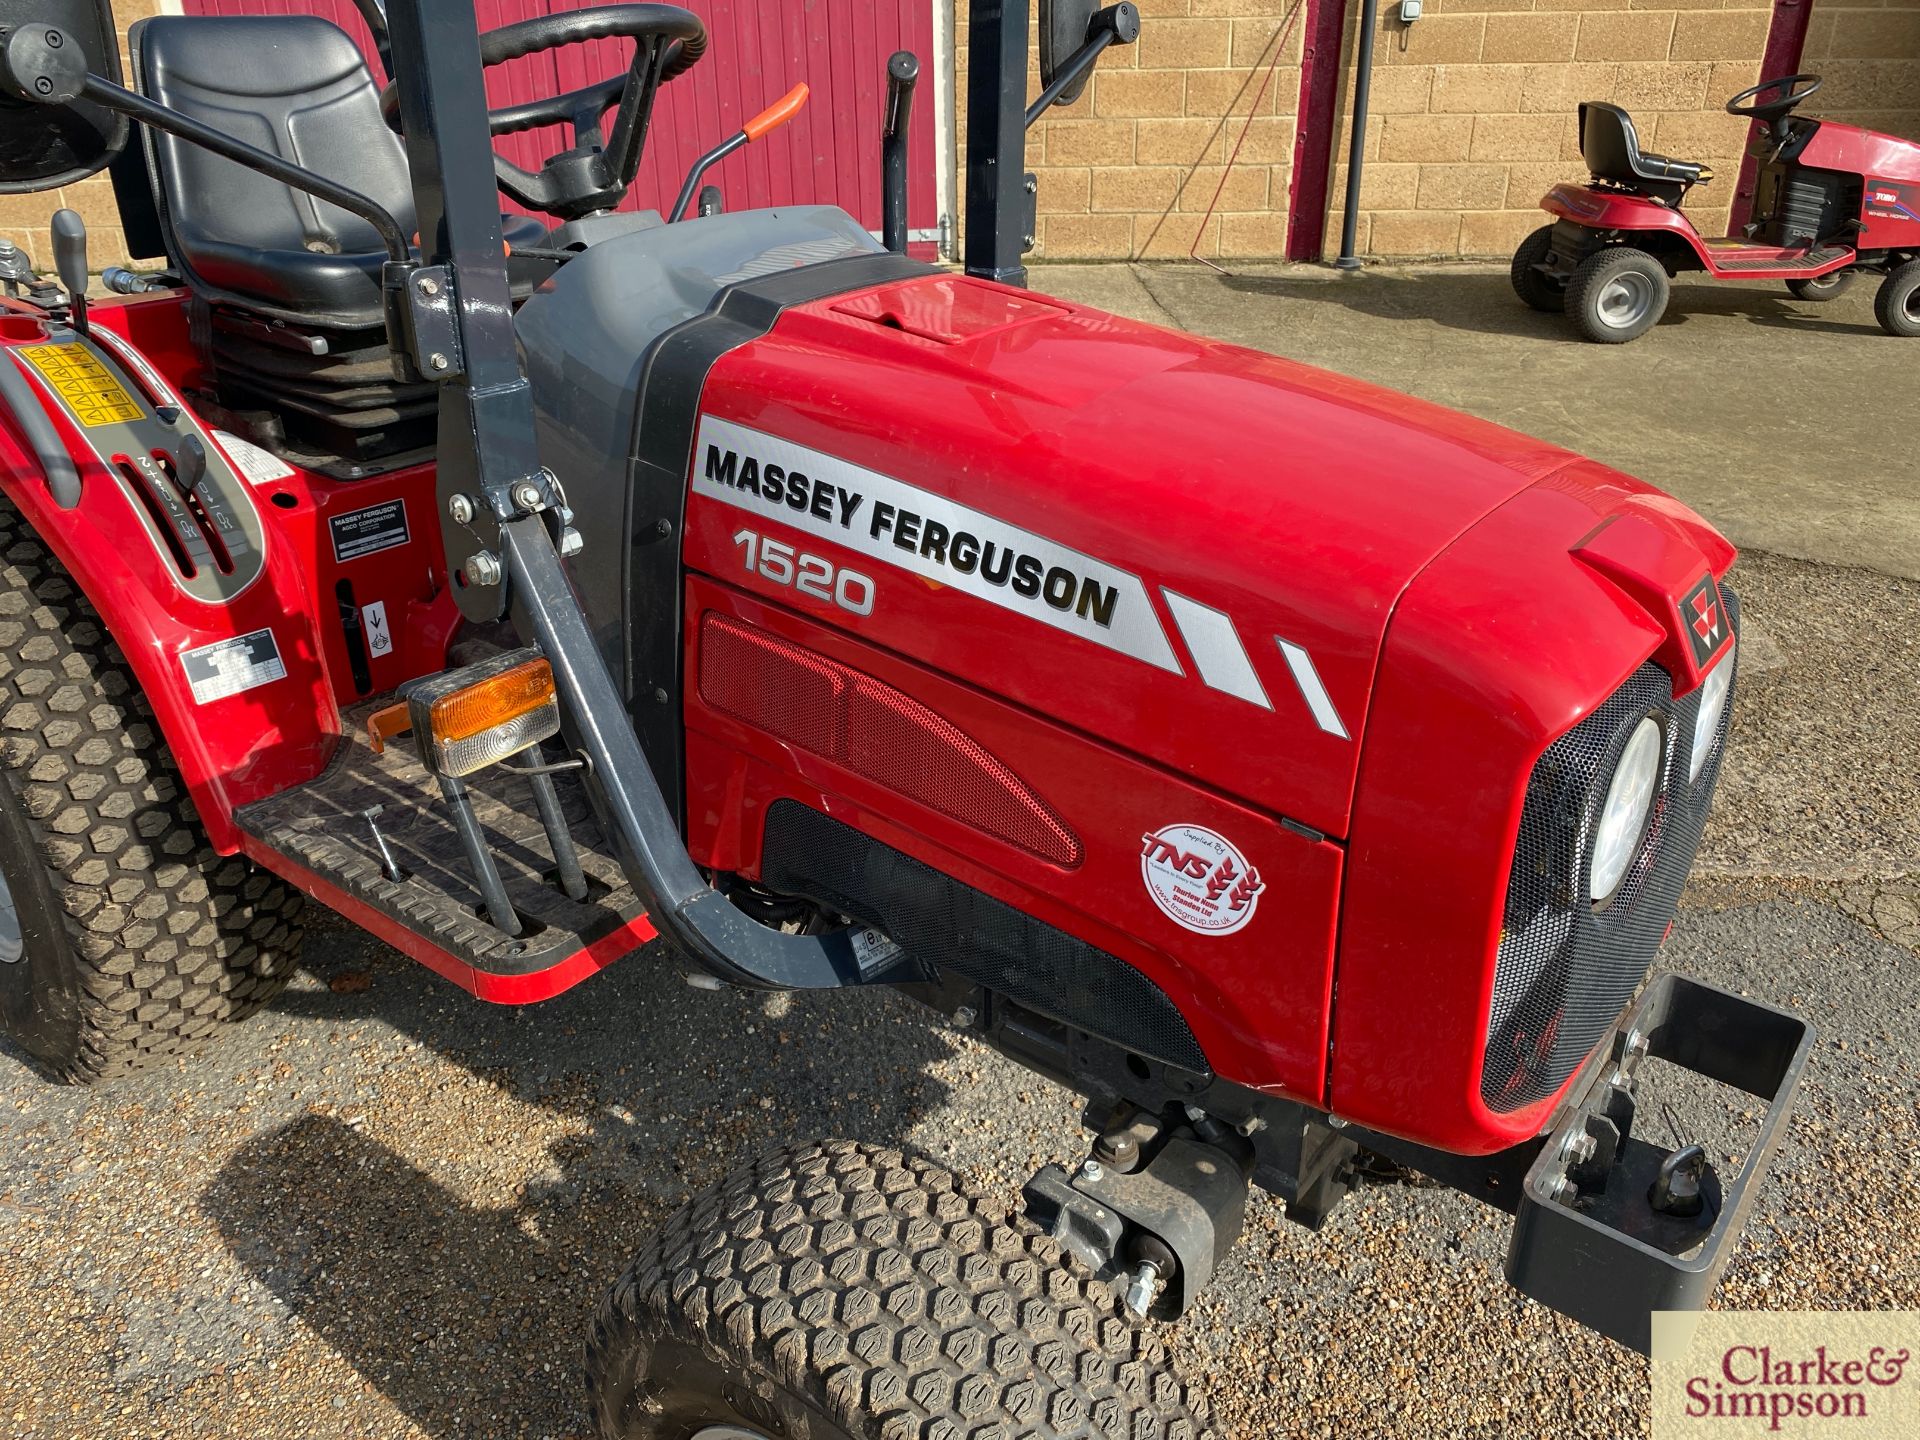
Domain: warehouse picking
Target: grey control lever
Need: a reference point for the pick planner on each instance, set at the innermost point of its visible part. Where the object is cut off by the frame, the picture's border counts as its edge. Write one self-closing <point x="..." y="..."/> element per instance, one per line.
<point x="70" y="260"/>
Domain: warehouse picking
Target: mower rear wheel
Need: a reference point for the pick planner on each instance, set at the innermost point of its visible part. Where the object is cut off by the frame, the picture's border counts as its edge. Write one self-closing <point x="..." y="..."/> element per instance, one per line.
<point x="839" y="1290"/>
<point x="1617" y="295"/>
<point x="1830" y="286"/>
<point x="123" y="936"/>
<point x="1897" y="303"/>
<point x="1544" y="293"/>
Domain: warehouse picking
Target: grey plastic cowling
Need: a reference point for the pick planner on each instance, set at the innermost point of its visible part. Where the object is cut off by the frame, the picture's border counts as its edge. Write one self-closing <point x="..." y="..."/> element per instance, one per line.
<point x="585" y="333"/>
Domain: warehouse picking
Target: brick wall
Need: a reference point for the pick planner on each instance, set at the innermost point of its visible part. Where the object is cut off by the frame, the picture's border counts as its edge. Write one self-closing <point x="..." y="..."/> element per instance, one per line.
<point x="1869" y="56"/>
<point x="23" y="218"/>
<point x="1130" y="169"/>
<point x="1475" y="105"/>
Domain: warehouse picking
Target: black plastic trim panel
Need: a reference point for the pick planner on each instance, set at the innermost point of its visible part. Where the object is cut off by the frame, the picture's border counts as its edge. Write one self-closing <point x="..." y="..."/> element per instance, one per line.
<point x="673" y="377"/>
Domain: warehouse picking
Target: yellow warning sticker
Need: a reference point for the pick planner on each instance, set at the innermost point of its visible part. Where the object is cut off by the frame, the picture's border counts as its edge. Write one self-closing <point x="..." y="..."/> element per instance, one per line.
<point x="78" y="377"/>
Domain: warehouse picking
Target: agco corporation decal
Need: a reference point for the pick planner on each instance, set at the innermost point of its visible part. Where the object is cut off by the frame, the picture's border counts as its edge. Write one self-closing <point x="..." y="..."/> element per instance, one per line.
<point x="1199" y="879"/>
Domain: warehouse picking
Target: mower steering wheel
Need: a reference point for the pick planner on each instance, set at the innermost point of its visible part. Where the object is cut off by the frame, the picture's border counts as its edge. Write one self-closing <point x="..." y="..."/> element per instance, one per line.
<point x="1777" y="109"/>
<point x="595" y="173"/>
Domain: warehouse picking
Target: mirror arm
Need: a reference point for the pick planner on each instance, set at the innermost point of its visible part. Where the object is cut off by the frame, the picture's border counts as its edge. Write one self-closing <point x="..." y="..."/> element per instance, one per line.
<point x="1115" y="25"/>
<point x="113" y="97"/>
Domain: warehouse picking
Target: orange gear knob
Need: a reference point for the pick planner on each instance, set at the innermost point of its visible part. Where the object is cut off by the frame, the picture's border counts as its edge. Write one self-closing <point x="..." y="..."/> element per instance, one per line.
<point x="777" y="114"/>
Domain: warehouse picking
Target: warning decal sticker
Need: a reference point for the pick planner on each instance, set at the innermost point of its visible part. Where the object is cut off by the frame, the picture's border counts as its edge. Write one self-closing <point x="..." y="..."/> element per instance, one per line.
<point x="1199" y="879"/>
<point x="228" y="667"/>
<point x="369" y="531"/>
<point x="79" y="379"/>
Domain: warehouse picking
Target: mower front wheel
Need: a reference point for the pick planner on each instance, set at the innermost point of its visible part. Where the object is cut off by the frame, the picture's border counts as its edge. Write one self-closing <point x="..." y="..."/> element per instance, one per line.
<point x="1897" y="304"/>
<point x="1617" y="295"/>
<point x="1822" y="288"/>
<point x="839" y="1290"/>
<point x="1543" y="292"/>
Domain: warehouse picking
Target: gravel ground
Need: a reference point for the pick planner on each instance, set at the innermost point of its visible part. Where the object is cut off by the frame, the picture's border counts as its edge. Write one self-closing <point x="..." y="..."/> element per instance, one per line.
<point x="383" y="1209"/>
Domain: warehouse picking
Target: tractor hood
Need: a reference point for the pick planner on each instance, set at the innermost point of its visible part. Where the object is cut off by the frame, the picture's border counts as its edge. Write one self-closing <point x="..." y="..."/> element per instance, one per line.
<point x="1187" y="548"/>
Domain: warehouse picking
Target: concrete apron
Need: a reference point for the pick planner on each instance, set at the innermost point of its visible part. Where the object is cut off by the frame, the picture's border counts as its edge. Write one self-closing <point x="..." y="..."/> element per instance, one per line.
<point x="1786" y="423"/>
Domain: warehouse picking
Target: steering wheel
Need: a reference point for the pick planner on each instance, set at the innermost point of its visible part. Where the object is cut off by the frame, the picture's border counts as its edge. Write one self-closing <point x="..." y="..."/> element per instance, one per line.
<point x="594" y="174"/>
<point x="1772" y="112"/>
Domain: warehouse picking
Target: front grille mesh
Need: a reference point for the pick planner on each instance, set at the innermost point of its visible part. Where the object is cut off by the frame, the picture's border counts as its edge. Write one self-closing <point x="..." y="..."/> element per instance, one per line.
<point x="1565" y="968"/>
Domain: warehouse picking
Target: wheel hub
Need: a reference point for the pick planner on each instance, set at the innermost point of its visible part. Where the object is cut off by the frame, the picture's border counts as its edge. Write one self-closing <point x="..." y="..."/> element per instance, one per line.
<point x="1625" y="301"/>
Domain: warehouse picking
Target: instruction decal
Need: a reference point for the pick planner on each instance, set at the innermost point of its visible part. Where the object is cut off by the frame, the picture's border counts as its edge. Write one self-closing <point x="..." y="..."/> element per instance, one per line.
<point x="367" y="532"/>
<point x="373" y="620"/>
<point x="259" y="465"/>
<point x="228" y="667"/>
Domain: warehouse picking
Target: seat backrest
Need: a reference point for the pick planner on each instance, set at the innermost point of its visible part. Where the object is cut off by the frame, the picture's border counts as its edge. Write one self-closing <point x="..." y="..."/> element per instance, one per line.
<point x="1608" y="142"/>
<point x="292" y="84"/>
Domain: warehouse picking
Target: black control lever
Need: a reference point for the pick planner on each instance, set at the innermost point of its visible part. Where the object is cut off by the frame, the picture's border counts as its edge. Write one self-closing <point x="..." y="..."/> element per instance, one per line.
<point x="70" y="260"/>
<point x="903" y="71"/>
<point x="191" y="461"/>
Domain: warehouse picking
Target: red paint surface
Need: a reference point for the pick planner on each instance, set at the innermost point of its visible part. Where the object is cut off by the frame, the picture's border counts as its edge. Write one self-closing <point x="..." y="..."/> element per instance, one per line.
<point x="1256" y="999"/>
<point x="1318" y="130"/>
<point x="1191" y="464"/>
<point x="829" y="154"/>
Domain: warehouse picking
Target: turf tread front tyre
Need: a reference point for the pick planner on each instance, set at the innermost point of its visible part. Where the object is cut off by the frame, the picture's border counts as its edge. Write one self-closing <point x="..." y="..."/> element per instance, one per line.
<point x="1896" y="304"/>
<point x="1529" y="284"/>
<point x="139" y="938"/>
<point x="1589" y="285"/>
<point x="837" y="1288"/>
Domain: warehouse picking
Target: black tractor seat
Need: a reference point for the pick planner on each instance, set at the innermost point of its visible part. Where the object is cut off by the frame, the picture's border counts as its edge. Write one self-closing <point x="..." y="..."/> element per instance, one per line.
<point x="295" y="85"/>
<point x="286" y="287"/>
<point x="1611" y="147"/>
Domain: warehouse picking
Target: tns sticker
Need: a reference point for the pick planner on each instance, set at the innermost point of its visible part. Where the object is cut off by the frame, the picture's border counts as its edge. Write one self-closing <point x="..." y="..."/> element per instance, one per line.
<point x="1199" y="879"/>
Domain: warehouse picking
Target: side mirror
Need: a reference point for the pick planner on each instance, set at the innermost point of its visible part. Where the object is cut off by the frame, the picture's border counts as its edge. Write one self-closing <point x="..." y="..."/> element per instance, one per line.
<point x="1065" y="25"/>
<point x="43" y="146"/>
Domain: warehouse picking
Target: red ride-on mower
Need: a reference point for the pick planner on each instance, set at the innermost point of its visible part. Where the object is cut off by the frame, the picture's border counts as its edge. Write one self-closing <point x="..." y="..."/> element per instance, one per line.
<point x="1833" y="201"/>
<point x="735" y="579"/>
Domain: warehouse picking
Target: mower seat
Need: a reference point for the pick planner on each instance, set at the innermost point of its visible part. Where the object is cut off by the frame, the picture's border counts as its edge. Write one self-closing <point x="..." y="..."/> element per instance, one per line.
<point x="295" y="85"/>
<point x="1612" y="151"/>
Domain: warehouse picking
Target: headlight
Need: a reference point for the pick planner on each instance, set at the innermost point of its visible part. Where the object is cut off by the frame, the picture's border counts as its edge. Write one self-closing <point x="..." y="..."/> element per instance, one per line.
<point x="1713" y="704"/>
<point x="1623" y="819"/>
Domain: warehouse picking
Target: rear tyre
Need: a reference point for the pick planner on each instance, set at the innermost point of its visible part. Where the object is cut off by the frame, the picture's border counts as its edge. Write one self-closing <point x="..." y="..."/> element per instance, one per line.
<point x="1823" y="287"/>
<point x="1542" y="292"/>
<point x="1617" y="295"/>
<point x="123" y="936"/>
<point x="1897" y="303"/>
<point x="839" y="1290"/>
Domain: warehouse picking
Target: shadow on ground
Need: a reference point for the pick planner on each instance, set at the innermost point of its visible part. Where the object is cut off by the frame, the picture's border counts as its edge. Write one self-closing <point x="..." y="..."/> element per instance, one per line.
<point x="1483" y="302"/>
<point x="463" y="1296"/>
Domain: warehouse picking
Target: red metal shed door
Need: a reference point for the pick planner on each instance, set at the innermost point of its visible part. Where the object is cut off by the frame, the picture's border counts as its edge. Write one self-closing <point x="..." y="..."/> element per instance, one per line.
<point x="829" y="155"/>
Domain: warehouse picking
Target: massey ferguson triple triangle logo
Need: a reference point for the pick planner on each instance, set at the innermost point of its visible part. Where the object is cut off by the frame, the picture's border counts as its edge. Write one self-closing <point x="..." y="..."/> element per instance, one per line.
<point x="1706" y="621"/>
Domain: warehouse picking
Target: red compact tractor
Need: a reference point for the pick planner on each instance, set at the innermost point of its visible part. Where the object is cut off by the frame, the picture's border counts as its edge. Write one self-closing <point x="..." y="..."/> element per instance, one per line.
<point x="735" y="579"/>
<point x="1833" y="201"/>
